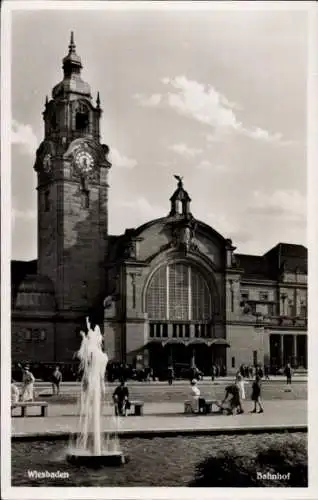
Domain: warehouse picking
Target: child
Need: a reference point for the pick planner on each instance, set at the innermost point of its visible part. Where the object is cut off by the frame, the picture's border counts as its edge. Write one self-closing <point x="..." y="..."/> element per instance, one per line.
<point x="256" y="394"/>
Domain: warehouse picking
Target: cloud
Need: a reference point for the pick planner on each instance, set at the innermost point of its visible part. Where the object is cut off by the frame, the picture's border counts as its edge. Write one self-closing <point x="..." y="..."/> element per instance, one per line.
<point x="121" y="161"/>
<point x="151" y="101"/>
<point x="264" y="135"/>
<point x="205" y="104"/>
<point x="23" y="135"/>
<point x="290" y="205"/>
<point x="207" y="165"/>
<point x="183" y="150"/>
<point x="201" y="102"/>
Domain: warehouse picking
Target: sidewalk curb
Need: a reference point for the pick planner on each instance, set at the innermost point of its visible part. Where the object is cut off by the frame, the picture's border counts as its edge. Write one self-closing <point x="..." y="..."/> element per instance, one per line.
<point x="151" y="433"/>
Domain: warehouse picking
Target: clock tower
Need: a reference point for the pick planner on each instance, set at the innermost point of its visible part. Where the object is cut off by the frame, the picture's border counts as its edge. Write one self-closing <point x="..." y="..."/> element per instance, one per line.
<point x="72" y="184"/>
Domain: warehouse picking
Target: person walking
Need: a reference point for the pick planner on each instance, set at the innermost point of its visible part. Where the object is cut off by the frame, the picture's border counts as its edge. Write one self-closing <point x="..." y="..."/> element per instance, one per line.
<point x="56" y="380"/>
<point x="259" y="371"/>
<point x="288" y="373"/>
<point x="28" y="384"/>
<point x="256" y="395"/>
<point x="170" y="374"/>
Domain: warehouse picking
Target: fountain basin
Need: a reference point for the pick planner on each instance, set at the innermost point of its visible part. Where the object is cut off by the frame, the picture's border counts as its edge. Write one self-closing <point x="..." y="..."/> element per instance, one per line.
<point x="108" y="459"/>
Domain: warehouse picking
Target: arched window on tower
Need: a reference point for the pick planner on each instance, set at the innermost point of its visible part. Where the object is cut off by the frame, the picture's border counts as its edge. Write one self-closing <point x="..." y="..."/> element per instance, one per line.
<point x="179" y="207"/>
<point x="82" y="119"/>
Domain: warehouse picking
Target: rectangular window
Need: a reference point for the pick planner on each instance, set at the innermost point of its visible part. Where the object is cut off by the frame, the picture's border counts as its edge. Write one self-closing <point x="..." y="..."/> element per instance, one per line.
<point x="158" y="330"/>
<point x="233" y="361"/>
<point x="197" y="331"/>
<point x="180" y="328"/>
<point x="263" y="295"/>
<point x="165" y="330"/>
<point x="187" y="330"/>
<point x="174" y="330"/>
<point x="151" y="330"/>
<point x="303" y="310"/>
<point x="244" y="295"/>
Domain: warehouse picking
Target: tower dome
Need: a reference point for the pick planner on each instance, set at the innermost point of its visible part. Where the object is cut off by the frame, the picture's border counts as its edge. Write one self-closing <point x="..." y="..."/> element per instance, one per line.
<point x="72" y="81"/>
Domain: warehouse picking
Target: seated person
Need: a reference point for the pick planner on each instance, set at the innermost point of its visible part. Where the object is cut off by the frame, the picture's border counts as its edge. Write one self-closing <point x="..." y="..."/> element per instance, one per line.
<point x="197" y="403"/>
<point x="235" y="401"/>
<point x="121" y="399"/>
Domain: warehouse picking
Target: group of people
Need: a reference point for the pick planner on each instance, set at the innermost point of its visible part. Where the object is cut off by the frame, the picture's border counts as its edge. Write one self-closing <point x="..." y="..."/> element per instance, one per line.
<point x="27" y="389"/>
<point x="234" y="394"/>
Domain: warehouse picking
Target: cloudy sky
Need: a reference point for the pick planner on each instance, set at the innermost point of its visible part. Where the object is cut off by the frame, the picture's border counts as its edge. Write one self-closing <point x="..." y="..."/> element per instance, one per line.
<point x="218" y="97"/>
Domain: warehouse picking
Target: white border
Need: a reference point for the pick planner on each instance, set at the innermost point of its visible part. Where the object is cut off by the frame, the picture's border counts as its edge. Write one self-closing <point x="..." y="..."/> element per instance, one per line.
<point x="155" y="493"/>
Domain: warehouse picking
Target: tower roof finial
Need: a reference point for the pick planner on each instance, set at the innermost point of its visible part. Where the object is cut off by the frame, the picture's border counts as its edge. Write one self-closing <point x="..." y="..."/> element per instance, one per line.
<point x="72" y="45"/>
<point x="98" y="100"/>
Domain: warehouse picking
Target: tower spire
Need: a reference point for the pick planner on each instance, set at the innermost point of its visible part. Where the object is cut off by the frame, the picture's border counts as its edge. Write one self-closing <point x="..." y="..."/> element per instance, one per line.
<point x="98" y="100"/>
<point x="72" y="45"/>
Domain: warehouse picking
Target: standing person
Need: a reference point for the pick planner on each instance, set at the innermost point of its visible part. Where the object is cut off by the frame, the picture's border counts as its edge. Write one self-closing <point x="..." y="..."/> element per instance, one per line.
<point x="56" y="380"/>
<point x="213" y="372"/>
<point x="250" y="371"/>
<point x="170" y="374"/>
<point x="256" y="395"/>
<point x="121" y="399"/>
<point x="288" y="373"/>
<point x="28" y="384"/>
<point x="241" y="386"/>
<point x="259" y="371"/>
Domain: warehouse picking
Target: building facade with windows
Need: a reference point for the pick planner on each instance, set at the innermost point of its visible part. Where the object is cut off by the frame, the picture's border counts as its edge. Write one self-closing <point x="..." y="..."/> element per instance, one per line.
<point x="171" y="291"/>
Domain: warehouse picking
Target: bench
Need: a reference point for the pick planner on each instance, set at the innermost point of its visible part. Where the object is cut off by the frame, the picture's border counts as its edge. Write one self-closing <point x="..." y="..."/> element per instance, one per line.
<point x="208" y="405"/>
<point x="27" y="404"/>
<point x="137" y="408"/>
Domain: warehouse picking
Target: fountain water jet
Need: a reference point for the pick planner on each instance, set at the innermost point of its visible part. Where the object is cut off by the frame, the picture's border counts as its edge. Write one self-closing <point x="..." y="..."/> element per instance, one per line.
<point x="89" y="447"/>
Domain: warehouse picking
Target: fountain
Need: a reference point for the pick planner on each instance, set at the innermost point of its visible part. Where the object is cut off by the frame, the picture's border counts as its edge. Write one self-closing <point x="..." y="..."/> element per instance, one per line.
<point x="89" y="446"/>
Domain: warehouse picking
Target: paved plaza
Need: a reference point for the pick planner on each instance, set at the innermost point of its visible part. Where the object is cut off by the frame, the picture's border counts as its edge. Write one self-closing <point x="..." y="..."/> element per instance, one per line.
<point x="166" y="417"/>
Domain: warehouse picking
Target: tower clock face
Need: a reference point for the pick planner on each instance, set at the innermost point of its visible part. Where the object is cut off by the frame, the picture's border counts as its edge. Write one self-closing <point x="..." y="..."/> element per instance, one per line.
<point x="47" y="163"/>
<point x="84" y="161"/>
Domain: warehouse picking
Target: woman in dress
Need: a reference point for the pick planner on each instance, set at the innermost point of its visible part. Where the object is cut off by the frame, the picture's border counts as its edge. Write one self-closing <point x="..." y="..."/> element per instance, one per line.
<point x="241" y="385"/>
<point x="28" y="385"/>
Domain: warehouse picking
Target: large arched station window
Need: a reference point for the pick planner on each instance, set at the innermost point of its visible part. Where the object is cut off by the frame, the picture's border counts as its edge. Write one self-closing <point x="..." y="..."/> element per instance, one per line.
<point x="178" y="294"/>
